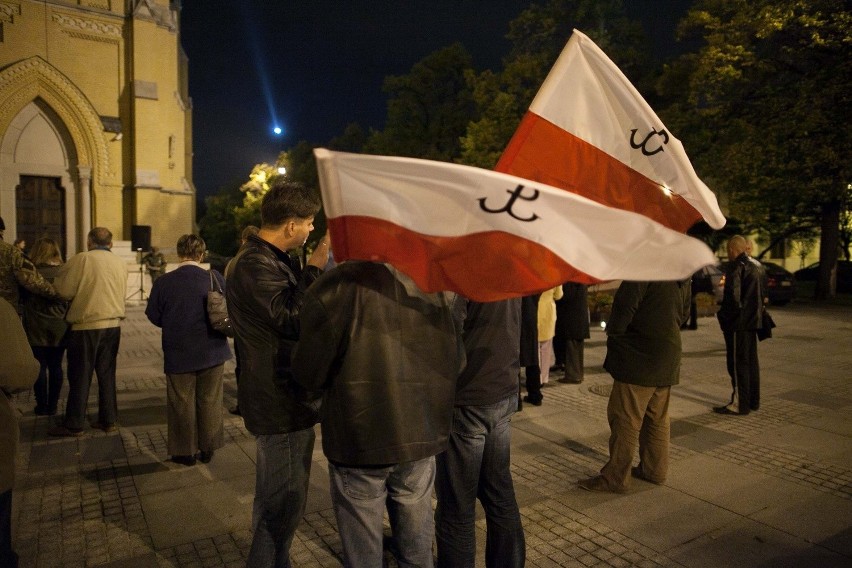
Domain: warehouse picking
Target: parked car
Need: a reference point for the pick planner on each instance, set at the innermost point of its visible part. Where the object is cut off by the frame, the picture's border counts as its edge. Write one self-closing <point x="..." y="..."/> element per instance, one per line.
<point x="844" y="275"/>
<point x="710" y="280"/>
<point x="780" y="284"/>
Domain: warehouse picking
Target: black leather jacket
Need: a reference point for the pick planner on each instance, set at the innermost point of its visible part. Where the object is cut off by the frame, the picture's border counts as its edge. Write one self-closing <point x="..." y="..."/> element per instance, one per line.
<point x="742" y="300"/>
<point x="385" y="357"/>
<point x="265" y="289"/>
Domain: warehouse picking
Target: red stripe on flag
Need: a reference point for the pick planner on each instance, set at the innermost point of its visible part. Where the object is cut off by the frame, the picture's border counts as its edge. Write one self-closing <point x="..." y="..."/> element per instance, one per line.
<point x="543" y="152"/>
<point x="484" y="267"/>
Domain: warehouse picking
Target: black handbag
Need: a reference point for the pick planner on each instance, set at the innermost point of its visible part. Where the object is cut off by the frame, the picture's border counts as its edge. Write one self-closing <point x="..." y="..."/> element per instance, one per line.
<point x="767" y="323"/>
<point x="217" y="309"/>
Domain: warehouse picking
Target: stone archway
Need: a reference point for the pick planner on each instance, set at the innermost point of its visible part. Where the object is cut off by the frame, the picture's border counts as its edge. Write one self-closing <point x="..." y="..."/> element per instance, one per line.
<point x="34" y="82"/>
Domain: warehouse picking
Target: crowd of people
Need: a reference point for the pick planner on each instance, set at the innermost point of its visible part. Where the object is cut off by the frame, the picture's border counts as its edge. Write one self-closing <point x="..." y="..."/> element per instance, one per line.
<point x="414" y="392"/>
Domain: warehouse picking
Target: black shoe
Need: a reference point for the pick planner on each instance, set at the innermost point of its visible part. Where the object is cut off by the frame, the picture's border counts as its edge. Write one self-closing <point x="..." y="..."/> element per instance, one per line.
<point x="534" y="402"/>
<point x="726" y="410"/>
<point x="568" y="381"/>
<point x="41" y="411"/>
<point x="184" y="460"/>
<point x="205" y="457"/>
<point x="235" y="411"/>
<point x="557" y="367"/>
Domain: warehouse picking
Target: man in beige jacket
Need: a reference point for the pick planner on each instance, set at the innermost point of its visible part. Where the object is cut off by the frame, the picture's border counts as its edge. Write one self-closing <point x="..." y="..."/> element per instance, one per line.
<point x="96" y="283"/>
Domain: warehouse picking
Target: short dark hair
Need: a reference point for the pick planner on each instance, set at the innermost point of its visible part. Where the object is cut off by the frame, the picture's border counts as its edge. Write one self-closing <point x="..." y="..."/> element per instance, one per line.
<point x="101" y="236"/>
<point x="288" y="200"/>
<point x="191" y="246"/>
<point x="248" y="231"/>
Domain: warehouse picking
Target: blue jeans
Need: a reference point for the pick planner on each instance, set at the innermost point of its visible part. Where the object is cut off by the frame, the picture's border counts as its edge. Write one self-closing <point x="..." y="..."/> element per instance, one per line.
<point x="281" y="489"/>
<point x="476" y="465"/>
<point x="360" y="496"/>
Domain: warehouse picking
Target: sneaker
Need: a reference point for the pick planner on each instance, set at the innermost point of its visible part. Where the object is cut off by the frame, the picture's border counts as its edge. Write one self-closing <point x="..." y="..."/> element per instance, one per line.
<point x="63" y="432"/>
<point x="105" y="427"/>
<point x="598" y="483"/>
<point x="205" y="457"/>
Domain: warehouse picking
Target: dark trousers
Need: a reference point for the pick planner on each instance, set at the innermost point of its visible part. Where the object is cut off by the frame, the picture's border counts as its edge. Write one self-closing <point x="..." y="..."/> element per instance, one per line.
<point x="574" y="360"/>
<point x="8" y="558"/>
<point x="92" y="351"/>
<point x="533" y="373"/>
<point x="49" y="383"/>
<point x="744" y="369"/>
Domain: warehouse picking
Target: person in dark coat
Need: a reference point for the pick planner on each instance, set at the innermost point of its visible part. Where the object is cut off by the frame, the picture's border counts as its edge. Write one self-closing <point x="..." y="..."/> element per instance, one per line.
<point x="740" y="316"/>
<point x="265" y="290"/>
<point x="194" y="354"/>
<point x="529" y="355"/>
<point x="643" y="356"/>
<point x="385" y="357"/>
<point x="572" y="329"/>
<point x="476" y="463"/>
<point x="47" y="330"/>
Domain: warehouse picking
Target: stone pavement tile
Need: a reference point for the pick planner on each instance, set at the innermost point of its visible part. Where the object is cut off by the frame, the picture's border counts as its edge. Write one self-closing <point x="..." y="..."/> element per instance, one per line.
<point x="699" y="438"/>
<point x="749" y="543"/>
<point x="814" y="443"/>
<point x="815" y="516"/>
<point x="204" y="510"/>
<point x="154" y="476"/>
<point x="657" y="516"/>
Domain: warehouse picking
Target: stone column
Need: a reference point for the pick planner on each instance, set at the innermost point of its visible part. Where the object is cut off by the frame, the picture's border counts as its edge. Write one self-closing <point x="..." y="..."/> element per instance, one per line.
<point x="84" y="175"/>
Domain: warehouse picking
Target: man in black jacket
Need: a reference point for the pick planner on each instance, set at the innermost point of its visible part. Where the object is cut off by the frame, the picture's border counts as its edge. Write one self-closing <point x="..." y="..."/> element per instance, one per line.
<point x="740" y="316"/>
<point x="265" y="289"/>
<point x="476" y="464"/>
<point x="385" y="356"/>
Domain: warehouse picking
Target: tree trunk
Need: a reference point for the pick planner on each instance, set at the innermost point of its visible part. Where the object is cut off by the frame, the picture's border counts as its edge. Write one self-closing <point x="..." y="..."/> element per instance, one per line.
<point x="829" y="241"/>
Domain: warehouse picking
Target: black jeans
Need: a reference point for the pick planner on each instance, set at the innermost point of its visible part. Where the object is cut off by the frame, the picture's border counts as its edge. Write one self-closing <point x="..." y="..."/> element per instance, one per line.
<point x="744" y="368"/>
<point x="49" y="383"/>
<point x="8" y="558"/>
<point x="92" y="351"/>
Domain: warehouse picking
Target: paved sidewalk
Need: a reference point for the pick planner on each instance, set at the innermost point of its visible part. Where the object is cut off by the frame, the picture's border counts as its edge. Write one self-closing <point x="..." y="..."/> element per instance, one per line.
<point x="770" y="489"/>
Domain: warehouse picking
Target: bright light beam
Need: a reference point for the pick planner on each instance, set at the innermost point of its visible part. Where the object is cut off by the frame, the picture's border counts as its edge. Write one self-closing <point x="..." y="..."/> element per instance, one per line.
<point x="253" y="33"/>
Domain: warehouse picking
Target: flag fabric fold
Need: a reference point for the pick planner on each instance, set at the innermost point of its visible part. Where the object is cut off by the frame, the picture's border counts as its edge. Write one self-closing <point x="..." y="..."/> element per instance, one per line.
<point x="489" y="235"/>
<point x="590" y="132"/>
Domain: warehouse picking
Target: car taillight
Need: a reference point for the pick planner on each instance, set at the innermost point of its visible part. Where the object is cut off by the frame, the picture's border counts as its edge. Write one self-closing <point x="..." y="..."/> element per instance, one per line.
<point x="771" y="282"/>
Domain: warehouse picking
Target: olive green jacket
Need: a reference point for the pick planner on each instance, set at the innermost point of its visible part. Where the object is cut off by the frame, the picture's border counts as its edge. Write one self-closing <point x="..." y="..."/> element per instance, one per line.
<point x="643" y="334"/>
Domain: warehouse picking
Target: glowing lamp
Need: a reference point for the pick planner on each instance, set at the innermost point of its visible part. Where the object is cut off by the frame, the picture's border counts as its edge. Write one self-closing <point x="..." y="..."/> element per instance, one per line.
<point x="277" y="130"/>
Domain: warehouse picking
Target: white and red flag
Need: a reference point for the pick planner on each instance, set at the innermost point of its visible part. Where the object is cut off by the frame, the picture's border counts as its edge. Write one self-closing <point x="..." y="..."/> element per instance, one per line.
<point x="489" y="235"/>
<point x="590" y="132"/>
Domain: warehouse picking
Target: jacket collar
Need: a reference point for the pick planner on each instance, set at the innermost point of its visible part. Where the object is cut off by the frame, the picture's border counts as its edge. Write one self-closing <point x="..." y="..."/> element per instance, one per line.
<point x="283" y="256"/>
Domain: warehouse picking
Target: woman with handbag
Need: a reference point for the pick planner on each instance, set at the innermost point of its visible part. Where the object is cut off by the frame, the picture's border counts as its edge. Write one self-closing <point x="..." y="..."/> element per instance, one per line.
<point x="194" y="354"/>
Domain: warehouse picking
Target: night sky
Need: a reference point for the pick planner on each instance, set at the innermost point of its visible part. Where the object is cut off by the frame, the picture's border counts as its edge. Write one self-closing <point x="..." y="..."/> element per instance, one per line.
<point x="318" y="65"/>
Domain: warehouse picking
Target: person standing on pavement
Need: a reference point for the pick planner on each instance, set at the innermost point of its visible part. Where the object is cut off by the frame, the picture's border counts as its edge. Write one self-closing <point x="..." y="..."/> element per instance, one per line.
<point x="476" y="463"/>
<point x="17" y="271"/>
<point x="155" y="262"/>
<point x="643" y="352"/>
<point x="194" y="354"/>
<point x="546" y="330"/>
<point x="17" y="373"/>
<point x="740" y="316"/>
<point x="96" y="283"/>
<point x="572" y="329"/>
<point x="247" y="232"/>
<point x="530" y="352"/>
<point x="47" y="330"/>
<point x="265" y="290"/>
<point x="385" y="357"/>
